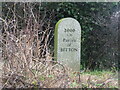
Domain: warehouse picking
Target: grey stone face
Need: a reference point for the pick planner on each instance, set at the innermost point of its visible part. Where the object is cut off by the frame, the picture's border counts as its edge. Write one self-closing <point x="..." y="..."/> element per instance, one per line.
<point x="68" y="43"/>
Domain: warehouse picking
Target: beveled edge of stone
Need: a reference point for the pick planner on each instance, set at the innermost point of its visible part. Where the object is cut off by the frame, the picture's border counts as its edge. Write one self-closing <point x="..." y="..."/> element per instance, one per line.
<point x="56" y="35"/>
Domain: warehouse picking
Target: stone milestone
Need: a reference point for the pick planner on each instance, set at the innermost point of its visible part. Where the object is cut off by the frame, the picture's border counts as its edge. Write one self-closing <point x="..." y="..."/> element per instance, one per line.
<point x="67" y="43"/>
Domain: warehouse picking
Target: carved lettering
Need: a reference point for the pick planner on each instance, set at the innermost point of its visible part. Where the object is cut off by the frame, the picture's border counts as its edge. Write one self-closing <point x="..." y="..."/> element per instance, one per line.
<point x="68" y="40"/>
<point x="68" y="49"/>
<point x="69" y="30"/>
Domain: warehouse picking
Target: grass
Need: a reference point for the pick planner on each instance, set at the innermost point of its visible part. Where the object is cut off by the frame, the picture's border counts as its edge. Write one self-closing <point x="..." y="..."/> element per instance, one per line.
<point x="99" y="73"/>
<point x="100" y="79"/>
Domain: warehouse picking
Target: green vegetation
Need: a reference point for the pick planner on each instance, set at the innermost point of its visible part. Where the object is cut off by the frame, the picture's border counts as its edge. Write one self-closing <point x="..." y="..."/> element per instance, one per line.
<point x="99" y="73"/>
<point x="28" y="45"/>
<point x="95" y="18"/>
<point x="99" y="46"/>
<point x="74" y="84"/>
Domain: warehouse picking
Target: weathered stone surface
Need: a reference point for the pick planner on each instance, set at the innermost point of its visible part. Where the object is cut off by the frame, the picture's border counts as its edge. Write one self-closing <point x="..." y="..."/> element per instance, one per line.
<point x="67" y="43"/>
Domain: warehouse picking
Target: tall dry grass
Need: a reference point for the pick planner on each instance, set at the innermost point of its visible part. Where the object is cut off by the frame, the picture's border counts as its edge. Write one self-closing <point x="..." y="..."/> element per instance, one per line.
<point x="26" y="51"/>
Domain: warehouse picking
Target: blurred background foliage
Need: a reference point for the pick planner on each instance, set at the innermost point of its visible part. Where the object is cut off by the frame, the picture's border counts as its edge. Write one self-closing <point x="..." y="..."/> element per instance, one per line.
<point x="99" y="32"/>
<point x="99" y="28"/>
